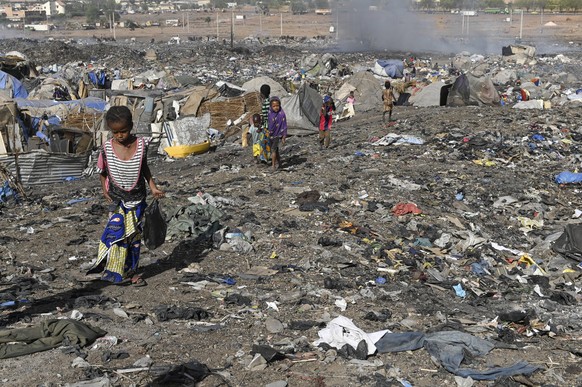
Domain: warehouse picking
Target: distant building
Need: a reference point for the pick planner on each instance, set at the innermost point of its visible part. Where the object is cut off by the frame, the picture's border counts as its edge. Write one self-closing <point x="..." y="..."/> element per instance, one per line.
<point x="13" y="14"/>
<point x="53" y="8"/>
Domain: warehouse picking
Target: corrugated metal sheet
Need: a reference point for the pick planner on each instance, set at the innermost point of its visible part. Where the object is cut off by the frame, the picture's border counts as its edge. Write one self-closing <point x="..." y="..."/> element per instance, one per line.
<point x="40" y="167"/>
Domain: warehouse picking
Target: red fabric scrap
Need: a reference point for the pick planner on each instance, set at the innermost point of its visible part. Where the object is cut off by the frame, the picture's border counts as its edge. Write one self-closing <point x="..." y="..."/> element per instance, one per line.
<point x="405" y="208"/>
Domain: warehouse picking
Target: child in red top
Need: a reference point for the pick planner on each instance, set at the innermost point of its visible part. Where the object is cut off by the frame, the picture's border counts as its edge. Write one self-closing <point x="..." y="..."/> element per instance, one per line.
<point x="325" y="120"/>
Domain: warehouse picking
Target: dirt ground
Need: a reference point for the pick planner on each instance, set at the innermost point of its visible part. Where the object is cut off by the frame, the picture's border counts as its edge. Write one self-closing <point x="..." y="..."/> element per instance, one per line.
<point x="305" y="263"/>
<point x="445" y="25"/>
<point x="289" y="242"/>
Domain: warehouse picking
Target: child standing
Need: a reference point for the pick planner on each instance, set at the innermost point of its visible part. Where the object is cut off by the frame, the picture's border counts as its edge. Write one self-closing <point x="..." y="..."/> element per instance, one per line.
<point x="351" y="99"/>
<point x="124" y="175"/>
<point x="257" y="136"/>
<point x="265" y="141"/>
<point x="277" y="130"/>
<point x="325" y="119"/>
<point x="388" y="98"/>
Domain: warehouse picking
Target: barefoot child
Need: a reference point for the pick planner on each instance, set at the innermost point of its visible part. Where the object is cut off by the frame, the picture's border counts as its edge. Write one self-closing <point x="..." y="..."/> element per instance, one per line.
<point x="325" y="120"/>
<point x="257" y="135"/>
<point x="277" y="130"/>
<point x="388" y="98"/>
<point x="124" y="176"/>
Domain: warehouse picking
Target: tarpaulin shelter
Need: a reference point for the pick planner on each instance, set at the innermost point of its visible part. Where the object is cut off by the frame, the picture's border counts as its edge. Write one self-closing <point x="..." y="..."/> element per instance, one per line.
<point x="315" y="65"/>
<point x="256" y="83"/>
<point x="367" y="90"/>
<point x="68" y="129"/>
<point x="302" y="111"/>
<point x="392" y="68"/>
<point x="429" y="95"/>
<point x="226" y="89"/>
<point x="55" y="112"/>
<point x="53" y="88"/>
<point x="10" y="140"/>
<point x="10" y="87"/>
<point x="471" y="90"/>
<point x="17" y="65"/>
<point x="518" y="49"/>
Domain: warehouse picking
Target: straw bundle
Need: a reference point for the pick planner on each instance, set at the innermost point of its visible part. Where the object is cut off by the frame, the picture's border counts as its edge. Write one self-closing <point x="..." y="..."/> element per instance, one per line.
<point x="87" y="122"/>
<point x="230" y="109"/>
<point x="222" y="111"/>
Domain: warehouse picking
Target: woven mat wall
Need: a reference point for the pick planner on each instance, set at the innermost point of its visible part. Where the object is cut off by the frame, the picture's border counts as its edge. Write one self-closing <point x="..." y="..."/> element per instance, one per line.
<point x="85" y="121"/>
<point x="230" y="109"/>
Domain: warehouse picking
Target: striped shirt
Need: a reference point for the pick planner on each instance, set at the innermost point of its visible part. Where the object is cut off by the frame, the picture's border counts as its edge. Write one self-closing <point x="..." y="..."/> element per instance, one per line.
<point x="265" y="113"/>
<point x="125" y="178"/>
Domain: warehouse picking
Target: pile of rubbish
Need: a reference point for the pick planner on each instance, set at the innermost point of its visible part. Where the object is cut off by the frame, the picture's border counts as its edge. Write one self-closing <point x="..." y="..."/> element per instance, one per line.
<point x="443" y="247"/>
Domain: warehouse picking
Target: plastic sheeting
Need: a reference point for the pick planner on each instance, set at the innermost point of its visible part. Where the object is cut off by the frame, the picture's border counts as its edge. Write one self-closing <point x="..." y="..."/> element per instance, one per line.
<point x="392" y="68"/>
<point x="302" y="111"/>
<point x="13" y="86"/>
<point x="256" y="83"/>
<point x="471" y="90"/>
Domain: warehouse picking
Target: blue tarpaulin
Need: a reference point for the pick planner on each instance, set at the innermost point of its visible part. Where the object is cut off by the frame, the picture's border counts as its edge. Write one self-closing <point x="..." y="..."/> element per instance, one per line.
<point x="392" y="68"/>
<point x="90" y="102"/>
<point x="36" y="116"/>
<point x="18" y="89"/>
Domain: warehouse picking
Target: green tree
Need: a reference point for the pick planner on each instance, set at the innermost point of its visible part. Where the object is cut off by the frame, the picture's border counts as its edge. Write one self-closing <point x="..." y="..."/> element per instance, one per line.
<point x="524" y="4"/>
<point x="452" y="4"/>
<point x="219" y="4"/>
<point x="427" y="4"/>
<point x="571" y="5"/>
<point x="92" y="13"/>
<point x="542" y="4"/>
<point x="321" y="4"/>
<point x="298" y="6"/>
<point x="74" y="10"/>
<point x="207" y="19"/>
<point x="494" y="4"/>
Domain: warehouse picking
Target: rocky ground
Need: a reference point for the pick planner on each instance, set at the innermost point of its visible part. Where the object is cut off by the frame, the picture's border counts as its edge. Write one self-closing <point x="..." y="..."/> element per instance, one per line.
<point x="326" y="241"/>
<point x="303" y="262"/>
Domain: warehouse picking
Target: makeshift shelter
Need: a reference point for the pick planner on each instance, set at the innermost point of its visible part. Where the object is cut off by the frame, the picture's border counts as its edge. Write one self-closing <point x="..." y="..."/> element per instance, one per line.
<point x="53" y="88"/>
<point x="10" y="140"/>
<point x="225" y="111"/>
<point x="56" y="112"/>
<point x="315" y="65"/>
<point x="197" y="95"/>
<point x="41" y="167"/>
<point x="226" y="89"/>
<point x="367" y="90"/>
<point x="470" y="90"/>
<point x="17" y="65"/>
<point x="56" y="139"/>
<point x="10" y="87"/>
<point x="392" y="68"/>
<point x="519" y="49"/>
<point x="302" y="111"/>
<point x="429" y="95"/>
<point x="256" y="83"/>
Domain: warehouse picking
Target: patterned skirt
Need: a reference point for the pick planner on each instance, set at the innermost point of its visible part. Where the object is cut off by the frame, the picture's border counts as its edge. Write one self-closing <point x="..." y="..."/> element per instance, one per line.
<point x="119" y="247"/>
<point x="265" y="143"/>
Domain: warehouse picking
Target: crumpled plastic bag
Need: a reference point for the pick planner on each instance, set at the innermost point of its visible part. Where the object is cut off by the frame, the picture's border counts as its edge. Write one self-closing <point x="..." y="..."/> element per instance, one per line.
<point x="155" y="226"/>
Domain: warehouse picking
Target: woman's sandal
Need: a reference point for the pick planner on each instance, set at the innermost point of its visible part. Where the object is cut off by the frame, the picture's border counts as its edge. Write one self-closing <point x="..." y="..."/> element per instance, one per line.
<point x="138" y="281"/>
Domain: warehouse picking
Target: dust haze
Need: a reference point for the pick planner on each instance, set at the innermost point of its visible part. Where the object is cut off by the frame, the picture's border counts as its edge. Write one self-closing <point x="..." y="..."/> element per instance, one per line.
<point x="400" y="29"/>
